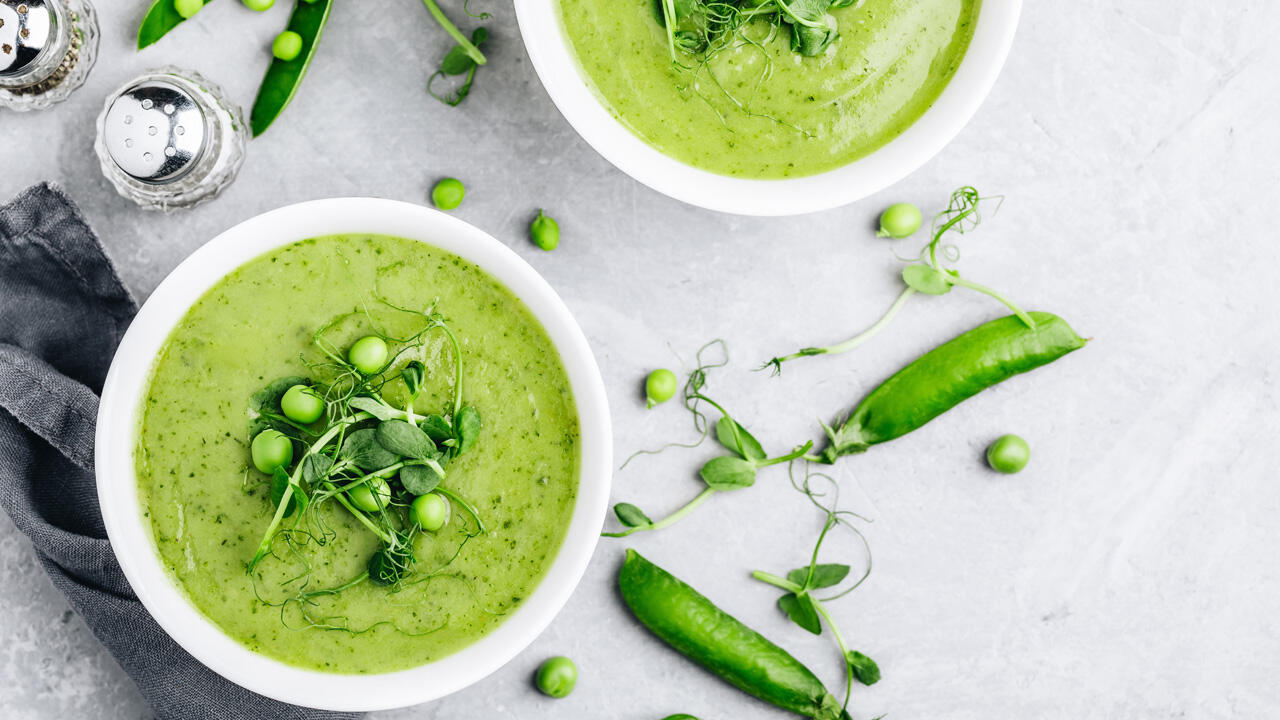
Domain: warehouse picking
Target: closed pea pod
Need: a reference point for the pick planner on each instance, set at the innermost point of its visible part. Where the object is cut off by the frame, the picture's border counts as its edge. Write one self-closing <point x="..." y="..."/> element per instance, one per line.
<point x="949" y="374"/>
<point x="702" y="632"/>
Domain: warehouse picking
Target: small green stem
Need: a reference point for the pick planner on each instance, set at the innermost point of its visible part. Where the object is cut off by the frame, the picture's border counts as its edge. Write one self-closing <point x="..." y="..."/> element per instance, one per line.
<point x="844" y="649"/>
<point x="364" y="520"/>
<point x="1022" y="315"/>
<point x="472" y="51"/>
<point x="776" y="581"/>
<point x="799" y="452"/>
<point x="669" y="520"/>
<point x="465" y="506"/>
<point x="854" y="341"/>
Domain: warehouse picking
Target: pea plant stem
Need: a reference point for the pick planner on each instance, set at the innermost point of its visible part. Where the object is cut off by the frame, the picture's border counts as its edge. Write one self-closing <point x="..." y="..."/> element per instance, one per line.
<point x="671" y="519"/>
<point x="465" y="506"/>
<point x="472" y="51"/>
<point x="1022" y="315"/>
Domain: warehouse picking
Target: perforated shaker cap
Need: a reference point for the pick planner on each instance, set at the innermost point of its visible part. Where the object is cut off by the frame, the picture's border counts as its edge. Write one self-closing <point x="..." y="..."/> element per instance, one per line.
<point x="155" y="131"/>
<point x="28" y="30"/>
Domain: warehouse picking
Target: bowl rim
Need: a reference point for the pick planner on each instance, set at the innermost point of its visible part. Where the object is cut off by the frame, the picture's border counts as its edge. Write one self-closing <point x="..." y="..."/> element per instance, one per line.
<point x="557" y="67"/>
<point x="131" y="537"/>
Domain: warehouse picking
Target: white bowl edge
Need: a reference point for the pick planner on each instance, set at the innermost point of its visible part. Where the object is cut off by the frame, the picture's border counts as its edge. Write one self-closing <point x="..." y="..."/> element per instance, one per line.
<point x="130" y="533"/>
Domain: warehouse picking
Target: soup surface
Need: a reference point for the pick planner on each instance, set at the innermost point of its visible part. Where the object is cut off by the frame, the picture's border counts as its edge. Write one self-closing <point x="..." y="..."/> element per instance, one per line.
<point x="757" y="109"/>
<point x="209" y="508"/>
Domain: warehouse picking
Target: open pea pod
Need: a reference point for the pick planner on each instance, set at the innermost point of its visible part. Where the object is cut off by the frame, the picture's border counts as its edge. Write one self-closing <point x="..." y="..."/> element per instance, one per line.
<point x="161" y="17"/>
<point x="284" y="76"/>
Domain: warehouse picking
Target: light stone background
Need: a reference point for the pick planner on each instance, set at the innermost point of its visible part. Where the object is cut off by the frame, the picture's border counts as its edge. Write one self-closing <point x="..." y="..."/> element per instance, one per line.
<point x="1130" y="572"/>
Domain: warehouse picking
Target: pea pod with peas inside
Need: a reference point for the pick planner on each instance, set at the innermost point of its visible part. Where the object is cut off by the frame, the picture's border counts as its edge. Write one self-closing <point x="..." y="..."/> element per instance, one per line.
<point x="949" y="374"/>
<point x="161" y="17"/>
<point x="284" y="76"/>
<point x="689" y="622"/>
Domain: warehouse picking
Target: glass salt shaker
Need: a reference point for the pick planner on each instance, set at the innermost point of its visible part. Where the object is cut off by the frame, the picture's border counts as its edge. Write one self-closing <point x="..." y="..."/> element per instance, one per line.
<point x="170" y="139"/>
<point x="47" y="48"/>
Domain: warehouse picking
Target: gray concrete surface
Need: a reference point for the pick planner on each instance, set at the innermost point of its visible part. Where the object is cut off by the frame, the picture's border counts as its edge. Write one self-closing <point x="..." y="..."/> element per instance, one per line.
<point x="1130" y="572"/>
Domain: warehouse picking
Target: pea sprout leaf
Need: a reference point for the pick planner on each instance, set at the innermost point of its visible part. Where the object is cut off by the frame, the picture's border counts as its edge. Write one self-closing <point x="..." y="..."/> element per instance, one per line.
<point x="728" y="473"/>
<point x="374" y="407"/>
<point x="468" y="428"/>
<point x="437" y="428"/>
<point x="458" y="62"/>
<point x="865" y="670"/>
<point x="824" y="576"/>
<point x="405" y="439"/>
<point x="279" y="483"/>
<point x="315" y="467"/>
<point x="926" y="279"/>
<point x="750" y="448"/>
<point x="801" y="611"/>
<point x="420" y="479"/>
<point x="265" y="404"/>
<point x="363" y="449"/>
<point x="630" y="515"/>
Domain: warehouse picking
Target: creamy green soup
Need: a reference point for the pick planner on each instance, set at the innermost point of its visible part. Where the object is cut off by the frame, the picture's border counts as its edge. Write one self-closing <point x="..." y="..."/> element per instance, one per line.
<point x="208" y="506"/>
<point x="758" y="110"/>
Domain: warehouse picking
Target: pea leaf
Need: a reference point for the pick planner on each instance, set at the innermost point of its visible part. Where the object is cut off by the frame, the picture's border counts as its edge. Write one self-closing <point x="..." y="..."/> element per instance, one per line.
<point x="315" y="467"/>
<point x="420" y="479"/>
<point x="374" y="407"/>
<point x="280" y="482"/>
<point x="824" y="575"/>
<point x="437" y="428"/>
<point x="468" y="428"/>
<point x="386" y="567"/>
<point x="405" y="439"/>
<point x="630" y="515"/>
<point x="801" y="611"/>
<point x="414" y="375"/>
<point x="750" y="448"/>
<point x="728" y="473"/>
<point x="457" y="62"/>
<point x="864" y="668"/>
<point x="362" y="448"/>
<point x="926" y="279"/>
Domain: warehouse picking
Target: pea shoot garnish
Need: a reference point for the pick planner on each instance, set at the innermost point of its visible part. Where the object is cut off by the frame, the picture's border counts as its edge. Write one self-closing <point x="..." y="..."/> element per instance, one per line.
<point x="336" y="441"/>
<point x="462" y="60"/>
<point x="929" y="275"/>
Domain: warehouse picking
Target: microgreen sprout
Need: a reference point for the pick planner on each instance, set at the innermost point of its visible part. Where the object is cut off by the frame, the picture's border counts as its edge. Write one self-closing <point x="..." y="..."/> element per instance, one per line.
<point x="462" y="60"/>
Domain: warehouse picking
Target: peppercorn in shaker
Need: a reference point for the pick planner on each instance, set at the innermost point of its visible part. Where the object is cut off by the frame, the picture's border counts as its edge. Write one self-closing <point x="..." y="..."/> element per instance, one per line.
<point x="47" y="48"/>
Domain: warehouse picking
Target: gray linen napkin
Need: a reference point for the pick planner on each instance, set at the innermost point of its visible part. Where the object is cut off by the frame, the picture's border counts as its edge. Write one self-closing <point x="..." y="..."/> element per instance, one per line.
<point x="62" y="313"/>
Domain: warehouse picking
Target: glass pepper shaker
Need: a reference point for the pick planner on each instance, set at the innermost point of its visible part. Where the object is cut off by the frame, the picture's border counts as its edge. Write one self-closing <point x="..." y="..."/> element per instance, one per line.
<point x="47" y="48"/>
<point x="170" y="139"/>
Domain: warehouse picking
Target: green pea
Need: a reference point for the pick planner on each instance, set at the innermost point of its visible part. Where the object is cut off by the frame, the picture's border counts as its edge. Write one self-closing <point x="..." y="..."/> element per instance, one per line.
<point x="368" y="354"/>
<point x="287" y="45"/>
<point x="659" y="387"/>
<point x="448" y="193"/>
<point x="302" y="404"/>
<point x="259" y="5"/>
<point x="557" y="676"/>
<point x="545" y="232"/>
<point x="372" y="496"/>
<point x="680" y="716"/>
<point x="271" y="449"/>
<point x="188" y="8"/>
<point x="899" y="220"/>
<point x="1008" y="454"/>
<point x="431" y="511"/>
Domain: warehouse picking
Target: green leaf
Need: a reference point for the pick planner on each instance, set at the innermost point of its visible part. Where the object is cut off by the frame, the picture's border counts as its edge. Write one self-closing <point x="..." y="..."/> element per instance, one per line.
<point x="864" y="668"/>
<point x="374" y="407"/>
<point x="414" y="375"/>
<point x="279" y="483"/>
<point x="801" y="611"/>
<point x="824" y="576"/>
<point x="420" y="479"/>
<point x="405" y="439"/>
<point x="750" y="448"/>
<point x="315" y="467"/>
<point x="457" y="61"/>
<point x="437" y="428"/>
<point x="362" y="448"/>
<point x="468" y="428"/>
<point x="630" y="515"/>
<point x="728" y="473"/>
<point x="926" y="279"/>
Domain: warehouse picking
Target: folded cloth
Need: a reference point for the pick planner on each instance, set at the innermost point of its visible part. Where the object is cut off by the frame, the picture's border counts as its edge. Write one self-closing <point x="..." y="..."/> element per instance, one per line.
<point x="62" y="313"/>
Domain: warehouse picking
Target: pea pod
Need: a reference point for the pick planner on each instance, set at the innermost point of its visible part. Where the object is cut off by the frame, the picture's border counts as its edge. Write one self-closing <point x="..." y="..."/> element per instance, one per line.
<point x="161" y="17"/>
<point x="284" y="76"/>
<point x="702" y="632"/>
<point x="949" y="374"/>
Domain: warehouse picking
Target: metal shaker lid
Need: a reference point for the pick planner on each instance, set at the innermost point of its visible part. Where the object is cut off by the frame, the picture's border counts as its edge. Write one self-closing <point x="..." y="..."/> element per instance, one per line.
<point x="28" y="30"/>
<point x="155" y="131"/>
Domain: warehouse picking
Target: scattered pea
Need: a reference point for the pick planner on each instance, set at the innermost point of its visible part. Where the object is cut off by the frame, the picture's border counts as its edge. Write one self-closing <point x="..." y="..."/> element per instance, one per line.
<point x="899" y="220"/>
<point x="448" y="193"/>
<point x="287" y="46"/>
<point x="557" y="676"/>
<point x="188" y="8"/>
<point x="372" y="496"/>
<point x="302" y="404"/>
<point x="368" y="354"/>
<point x="259" y="5"/>
<point x="271" y="449"/>
<point x="1008" y="454"/>
<point x="680" y="716"/>
<point x="545" y="232"/>
<point x="659" y="387"/>
<point x="431" y="511"/>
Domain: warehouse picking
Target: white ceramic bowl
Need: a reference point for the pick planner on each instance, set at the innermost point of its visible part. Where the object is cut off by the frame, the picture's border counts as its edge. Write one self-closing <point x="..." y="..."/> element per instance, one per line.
<point x="553" y="58"/>
<point x="131" y="535"/>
